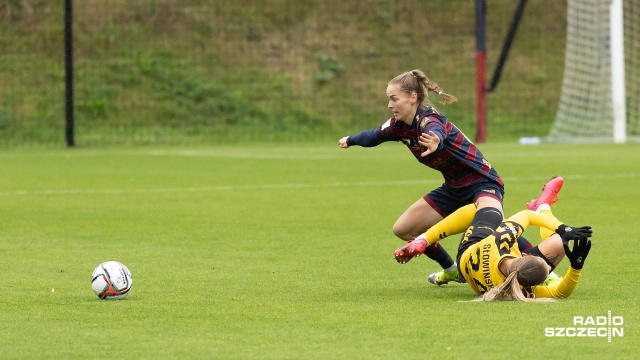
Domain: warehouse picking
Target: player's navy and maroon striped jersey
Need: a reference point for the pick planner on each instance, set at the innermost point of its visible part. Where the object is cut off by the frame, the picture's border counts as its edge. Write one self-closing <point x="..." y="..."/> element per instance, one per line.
<point x="457" y="158"/>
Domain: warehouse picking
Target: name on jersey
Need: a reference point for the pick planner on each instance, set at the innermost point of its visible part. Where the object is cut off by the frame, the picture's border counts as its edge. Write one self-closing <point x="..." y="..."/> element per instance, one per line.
<point x="486" y="273"/>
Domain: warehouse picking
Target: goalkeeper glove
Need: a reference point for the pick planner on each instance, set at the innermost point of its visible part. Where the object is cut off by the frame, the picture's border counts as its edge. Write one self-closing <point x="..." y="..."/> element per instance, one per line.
<point x="570" y="233"/>
<point x="580" y="251"/>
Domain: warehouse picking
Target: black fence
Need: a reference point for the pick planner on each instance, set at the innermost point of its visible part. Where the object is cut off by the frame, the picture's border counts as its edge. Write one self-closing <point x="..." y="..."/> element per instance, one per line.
<point x="196" y="72"/>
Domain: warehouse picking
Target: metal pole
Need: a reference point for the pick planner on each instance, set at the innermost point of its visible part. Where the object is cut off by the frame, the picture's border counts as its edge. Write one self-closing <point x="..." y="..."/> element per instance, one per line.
<point x="68" y="43"/>
<point x="507" y="45"/>
<point x="481" y="88"/>
<point x="618" y="101"/>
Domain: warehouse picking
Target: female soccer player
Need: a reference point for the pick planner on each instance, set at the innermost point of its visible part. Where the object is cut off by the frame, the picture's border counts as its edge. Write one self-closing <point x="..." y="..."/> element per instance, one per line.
<point x="494" y="266"/>
<point x="437" y="143"/>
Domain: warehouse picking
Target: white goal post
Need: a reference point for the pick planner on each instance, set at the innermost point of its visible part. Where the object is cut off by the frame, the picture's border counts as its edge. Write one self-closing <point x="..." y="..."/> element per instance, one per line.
<point x="600" y="97"/>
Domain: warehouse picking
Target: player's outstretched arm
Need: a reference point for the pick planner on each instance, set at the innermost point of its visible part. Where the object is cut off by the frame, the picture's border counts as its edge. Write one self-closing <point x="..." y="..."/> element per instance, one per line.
<point x="577" y="256"/>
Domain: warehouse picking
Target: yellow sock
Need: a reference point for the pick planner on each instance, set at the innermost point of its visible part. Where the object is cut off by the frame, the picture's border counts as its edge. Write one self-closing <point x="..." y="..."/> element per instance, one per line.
<point x="456" y="223"/>
<point x="544" y="232"/>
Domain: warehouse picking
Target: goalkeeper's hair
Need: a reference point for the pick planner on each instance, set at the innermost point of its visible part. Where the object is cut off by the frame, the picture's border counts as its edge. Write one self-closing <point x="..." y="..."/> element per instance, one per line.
<point x="416" y="80"/>
<point x="525" y="272"/>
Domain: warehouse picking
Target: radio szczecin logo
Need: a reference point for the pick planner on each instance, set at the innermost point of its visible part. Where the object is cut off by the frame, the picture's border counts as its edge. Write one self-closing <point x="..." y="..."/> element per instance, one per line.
<point x="590" y="326"/>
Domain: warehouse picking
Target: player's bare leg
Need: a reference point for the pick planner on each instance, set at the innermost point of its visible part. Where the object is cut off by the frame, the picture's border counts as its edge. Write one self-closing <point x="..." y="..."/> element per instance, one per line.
<point x="416" y="220"/>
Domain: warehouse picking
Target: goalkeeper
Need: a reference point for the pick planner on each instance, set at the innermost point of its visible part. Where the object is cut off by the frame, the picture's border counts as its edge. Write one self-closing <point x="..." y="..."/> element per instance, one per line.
<point x="495" y="267"/>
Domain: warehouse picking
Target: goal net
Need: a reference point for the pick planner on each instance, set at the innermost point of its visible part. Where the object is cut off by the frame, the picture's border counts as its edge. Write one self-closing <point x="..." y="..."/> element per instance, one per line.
<point x="600" y="98"/>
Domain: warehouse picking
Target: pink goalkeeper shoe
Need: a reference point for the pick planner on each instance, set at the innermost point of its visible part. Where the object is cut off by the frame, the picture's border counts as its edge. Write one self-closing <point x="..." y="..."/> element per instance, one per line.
<point x="549" y="193"/>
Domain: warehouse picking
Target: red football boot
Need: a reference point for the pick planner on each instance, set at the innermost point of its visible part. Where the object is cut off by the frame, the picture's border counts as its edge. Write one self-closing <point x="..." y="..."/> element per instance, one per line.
<point x="409" y="251"/>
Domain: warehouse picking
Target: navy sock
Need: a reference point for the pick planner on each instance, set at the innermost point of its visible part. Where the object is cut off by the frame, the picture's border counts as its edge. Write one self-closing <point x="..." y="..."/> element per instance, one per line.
<point x="437" y="253"/>
<point x="524" y="244"/>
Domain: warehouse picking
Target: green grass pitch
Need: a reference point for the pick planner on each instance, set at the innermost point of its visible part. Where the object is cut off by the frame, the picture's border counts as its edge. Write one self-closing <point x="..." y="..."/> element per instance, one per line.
<point x="285" y="252"/>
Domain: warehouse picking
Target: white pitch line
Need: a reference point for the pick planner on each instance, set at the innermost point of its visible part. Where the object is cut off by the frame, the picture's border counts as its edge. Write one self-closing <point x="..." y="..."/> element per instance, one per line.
<point x="212" y="188"/>
<point x="240" y="155"/>
<point x="285" y="186"/>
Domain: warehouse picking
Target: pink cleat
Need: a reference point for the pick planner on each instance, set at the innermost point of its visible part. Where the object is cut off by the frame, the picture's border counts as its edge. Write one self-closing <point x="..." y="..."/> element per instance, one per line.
<point x="409" y="251"/>
<point x="549" y="193"/>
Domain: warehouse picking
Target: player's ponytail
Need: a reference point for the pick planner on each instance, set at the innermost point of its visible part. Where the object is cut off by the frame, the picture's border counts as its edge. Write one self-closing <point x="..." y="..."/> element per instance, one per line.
<point x="525" y="271"/>
<point x="416" y="80"/>
<point x="428" y="85"/>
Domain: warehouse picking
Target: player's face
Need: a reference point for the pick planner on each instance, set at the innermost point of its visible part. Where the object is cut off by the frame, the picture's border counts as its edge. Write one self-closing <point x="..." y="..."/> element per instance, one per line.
<point x="402" y="105"/>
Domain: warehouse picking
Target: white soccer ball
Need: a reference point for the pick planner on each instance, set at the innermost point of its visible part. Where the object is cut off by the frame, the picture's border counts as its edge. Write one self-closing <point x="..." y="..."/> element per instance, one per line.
<point x="111" y="280"/>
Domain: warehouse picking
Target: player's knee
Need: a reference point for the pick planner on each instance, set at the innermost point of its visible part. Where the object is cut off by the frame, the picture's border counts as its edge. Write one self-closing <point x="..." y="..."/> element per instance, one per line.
<point x="402" y="231"/>
<point x="487" y="217"/>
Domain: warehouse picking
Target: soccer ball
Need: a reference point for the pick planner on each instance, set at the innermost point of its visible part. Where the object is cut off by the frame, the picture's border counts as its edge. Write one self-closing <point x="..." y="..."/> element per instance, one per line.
<point x="111" y="280"/>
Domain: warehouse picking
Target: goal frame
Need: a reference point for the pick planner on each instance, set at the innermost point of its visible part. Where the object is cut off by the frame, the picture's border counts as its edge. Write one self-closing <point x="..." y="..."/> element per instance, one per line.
<point x="599" y="95"/>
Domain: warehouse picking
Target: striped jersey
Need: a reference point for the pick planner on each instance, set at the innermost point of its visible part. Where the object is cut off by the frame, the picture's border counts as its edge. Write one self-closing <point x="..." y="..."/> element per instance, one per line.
<point x="457" y="158"/>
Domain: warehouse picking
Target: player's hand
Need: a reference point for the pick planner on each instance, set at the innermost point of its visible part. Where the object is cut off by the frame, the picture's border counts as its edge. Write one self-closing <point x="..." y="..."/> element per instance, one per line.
<point x="343" y="142"/>
<point x="581" y="248"/>
<point x="570" y="233"/>
<point x="429" y="141"/>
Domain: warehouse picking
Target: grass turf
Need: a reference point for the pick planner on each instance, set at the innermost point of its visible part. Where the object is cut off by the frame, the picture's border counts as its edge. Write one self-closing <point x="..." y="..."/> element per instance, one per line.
<point x="285" y="251"/>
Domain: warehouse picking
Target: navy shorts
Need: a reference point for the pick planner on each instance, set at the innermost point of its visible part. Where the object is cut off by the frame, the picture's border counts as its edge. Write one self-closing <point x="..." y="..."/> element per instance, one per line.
<point x="447" y="199"/>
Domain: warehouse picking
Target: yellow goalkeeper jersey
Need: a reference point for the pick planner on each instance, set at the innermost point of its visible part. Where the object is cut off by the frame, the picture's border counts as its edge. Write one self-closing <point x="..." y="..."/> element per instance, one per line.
<point x="480" y="262"/>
